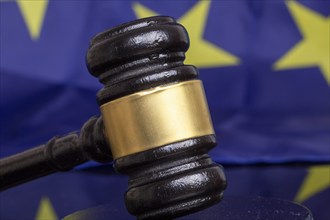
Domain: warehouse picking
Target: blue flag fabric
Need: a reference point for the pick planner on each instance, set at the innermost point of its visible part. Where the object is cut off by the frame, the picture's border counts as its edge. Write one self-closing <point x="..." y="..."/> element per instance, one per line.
<point x="264" y="65"/>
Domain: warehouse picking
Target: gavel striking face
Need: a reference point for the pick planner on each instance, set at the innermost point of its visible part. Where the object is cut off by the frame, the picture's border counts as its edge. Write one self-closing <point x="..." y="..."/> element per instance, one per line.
<point x="156" y="119"/>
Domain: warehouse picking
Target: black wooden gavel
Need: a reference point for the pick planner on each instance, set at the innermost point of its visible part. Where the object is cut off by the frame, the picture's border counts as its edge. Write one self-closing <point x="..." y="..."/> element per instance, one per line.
<point x="155" y="124"/>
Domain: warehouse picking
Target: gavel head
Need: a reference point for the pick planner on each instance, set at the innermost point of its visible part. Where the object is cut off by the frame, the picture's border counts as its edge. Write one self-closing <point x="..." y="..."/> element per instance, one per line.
<point x="156" y="118"/>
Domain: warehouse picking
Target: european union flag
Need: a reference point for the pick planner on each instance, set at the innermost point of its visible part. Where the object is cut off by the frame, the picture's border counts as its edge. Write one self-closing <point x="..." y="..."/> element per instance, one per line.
<point x="265" y="66"/>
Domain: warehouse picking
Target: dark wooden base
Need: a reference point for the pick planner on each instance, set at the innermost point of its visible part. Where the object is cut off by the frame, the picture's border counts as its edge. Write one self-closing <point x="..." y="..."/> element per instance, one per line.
<point x="231" y="208"/>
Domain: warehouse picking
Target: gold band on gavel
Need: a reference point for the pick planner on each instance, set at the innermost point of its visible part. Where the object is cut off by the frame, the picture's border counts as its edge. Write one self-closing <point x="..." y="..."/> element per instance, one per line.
<point x="156" y="117"/>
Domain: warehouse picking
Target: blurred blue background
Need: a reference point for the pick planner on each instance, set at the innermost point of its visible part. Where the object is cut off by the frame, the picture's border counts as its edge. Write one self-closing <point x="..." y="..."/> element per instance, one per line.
<point x="265" y="68"/>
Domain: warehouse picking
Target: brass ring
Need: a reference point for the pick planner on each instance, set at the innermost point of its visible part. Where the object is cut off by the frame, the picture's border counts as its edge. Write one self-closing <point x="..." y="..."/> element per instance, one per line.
<point x="156" y="117"/>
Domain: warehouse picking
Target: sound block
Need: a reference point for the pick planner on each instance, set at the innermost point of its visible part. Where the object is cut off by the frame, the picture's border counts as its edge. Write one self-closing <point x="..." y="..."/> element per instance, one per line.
<point x="231" y="208"/>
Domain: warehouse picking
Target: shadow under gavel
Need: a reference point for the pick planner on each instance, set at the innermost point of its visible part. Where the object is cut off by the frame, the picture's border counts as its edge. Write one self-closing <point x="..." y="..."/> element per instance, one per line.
<point x="155" y="124"/>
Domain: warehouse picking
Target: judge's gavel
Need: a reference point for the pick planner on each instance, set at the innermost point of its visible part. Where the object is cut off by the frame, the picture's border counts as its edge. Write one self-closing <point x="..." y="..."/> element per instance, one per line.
<point x="155" y="120"/>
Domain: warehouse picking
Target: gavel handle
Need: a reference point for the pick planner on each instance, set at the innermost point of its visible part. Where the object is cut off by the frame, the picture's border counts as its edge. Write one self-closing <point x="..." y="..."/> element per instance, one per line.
<point x="59" y="154"/>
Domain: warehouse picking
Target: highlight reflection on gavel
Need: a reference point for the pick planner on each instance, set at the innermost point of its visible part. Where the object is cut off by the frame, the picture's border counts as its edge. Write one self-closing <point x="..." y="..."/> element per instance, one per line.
<point x="155" y="124"/>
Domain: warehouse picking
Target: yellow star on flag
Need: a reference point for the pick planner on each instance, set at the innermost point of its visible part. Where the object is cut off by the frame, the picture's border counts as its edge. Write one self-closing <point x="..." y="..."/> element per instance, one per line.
<point x="33" y="13"/>
<point x="313" y="49"/>
<point x="317" y="180"/>
<point x="46" y="210"/>
<point x="201" y="53"/>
